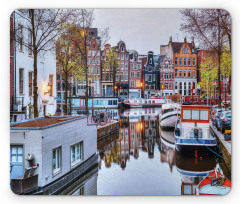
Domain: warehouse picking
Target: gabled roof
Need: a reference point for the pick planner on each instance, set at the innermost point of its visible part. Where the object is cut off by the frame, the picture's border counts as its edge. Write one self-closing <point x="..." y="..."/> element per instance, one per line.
<point x="177" y="46"/>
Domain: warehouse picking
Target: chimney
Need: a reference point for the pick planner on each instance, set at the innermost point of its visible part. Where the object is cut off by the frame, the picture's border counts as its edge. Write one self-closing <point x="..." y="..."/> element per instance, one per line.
<point x="192" y="41"/>
<point x="185" y="39"/>
<point x="170" y="39"/>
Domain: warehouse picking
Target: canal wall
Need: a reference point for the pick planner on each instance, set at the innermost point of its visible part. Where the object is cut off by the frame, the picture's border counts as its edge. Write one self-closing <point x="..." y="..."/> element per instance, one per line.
<point x="107" y="130"/>
<point x="225" y="147"/>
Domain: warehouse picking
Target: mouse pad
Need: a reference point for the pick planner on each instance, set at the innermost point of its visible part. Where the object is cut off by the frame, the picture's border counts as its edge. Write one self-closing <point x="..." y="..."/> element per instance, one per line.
<point x="120" y="102"/>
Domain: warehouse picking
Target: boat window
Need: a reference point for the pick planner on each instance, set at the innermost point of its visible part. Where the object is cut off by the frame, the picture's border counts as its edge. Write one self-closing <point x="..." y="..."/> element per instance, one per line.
<point x="109" y="102"/>
<point x="204" y="115"/>
<point x="186" y="114"/>
<point x="195" y="114"/>
<point x="153" y="101"/>
<point x="145" y="101"/>
<point x="149" y="101"/>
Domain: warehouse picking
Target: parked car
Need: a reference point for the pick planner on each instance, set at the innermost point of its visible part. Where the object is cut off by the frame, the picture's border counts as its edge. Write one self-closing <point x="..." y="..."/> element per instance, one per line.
<point x="225" y="121"/>
<point x="215" y="117"/>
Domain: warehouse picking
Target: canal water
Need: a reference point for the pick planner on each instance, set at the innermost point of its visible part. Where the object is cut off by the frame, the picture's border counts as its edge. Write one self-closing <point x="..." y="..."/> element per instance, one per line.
<point x="141" y="159"/>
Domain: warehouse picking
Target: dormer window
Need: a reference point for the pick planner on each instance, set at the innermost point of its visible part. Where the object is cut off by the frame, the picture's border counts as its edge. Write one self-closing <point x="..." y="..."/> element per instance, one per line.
<point x="185" y="50"/>
<point x="150" y="61"/>
<point x="122" y="49"/>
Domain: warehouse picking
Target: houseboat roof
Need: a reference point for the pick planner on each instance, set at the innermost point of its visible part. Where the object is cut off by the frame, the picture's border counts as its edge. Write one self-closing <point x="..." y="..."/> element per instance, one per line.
<point x="44" y="122"/>
<point x="195" y="106"/>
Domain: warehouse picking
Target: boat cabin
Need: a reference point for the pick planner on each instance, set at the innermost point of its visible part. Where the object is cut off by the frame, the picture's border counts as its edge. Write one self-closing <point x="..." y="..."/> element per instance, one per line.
<point x="195" y="114"/>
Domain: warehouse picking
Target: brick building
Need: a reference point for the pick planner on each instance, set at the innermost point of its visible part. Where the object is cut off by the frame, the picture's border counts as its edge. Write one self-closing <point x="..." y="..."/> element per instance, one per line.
<point x="184" y="58"/>
<point x="135" y="82"/>
<point x="122" y="72"/>
<point x="166" y="76"/>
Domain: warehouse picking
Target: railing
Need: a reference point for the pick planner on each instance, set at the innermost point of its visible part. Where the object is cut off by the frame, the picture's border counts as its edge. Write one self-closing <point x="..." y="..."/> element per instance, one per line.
<point x="17" y="104"/>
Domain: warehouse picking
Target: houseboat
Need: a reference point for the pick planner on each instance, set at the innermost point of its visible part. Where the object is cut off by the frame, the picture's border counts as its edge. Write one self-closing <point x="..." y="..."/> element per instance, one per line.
<point x="192" y="130"/>
<point x="169" y="116"/>
<point x="47" y="153"/>
<point x="143" y="103"/>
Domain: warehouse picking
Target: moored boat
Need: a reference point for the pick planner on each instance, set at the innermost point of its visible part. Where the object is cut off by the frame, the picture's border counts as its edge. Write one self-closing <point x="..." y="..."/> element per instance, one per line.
<point x="143" y="103"/>
<point x="192" y="131"/>
<point x="170" y="115"/>
<point x="214" y="184"/>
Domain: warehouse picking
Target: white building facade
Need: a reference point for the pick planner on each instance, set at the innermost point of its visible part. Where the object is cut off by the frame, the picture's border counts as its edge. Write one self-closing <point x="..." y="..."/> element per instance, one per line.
<point x="24" y="73"/>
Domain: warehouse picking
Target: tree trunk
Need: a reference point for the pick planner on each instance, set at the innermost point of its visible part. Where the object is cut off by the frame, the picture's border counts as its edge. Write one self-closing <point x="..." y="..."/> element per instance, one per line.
<point x="86" y="67"/>
<point x="219" y="80"/>
<point x="35" y="91"/>
<point x="66" y="92"/>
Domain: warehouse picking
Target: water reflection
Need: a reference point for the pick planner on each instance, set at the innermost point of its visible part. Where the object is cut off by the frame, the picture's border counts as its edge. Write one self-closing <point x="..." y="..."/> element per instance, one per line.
<point x="192" y="170"/>
<point x="141" y="159"/>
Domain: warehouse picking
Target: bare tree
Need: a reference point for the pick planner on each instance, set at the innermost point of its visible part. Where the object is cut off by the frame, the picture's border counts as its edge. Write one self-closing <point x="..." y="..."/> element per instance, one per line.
<point x="206" y="26"/>
<point x="82" y="43"/>
<point x="44" y="26"/>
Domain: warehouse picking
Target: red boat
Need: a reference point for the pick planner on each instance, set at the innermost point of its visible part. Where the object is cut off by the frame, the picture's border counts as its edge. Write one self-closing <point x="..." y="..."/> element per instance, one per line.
<point x="214" y="184"/>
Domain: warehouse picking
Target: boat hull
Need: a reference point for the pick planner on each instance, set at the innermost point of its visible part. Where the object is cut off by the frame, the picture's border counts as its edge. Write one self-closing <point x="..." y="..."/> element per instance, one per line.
<point x="190" y="146"/>
<point x="169" y="122"/>
<point x="205" y="187"/>
<point x="132" y="105"/>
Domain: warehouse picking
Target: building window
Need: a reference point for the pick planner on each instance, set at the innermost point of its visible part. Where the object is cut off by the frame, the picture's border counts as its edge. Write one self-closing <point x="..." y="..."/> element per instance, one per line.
<point x="149" y="77"/>
<point x="185" y="73"/>
<point x="189" y="61"/>
<point x="139" y="66"/>
<point x="30" y="83"/>
<point x="98" y="70"/>
<point x="122" y="56"/>
<point x="21" y="81"/>
<point x="166" y="65"/>
<point x="122" y="65"/>
<point x="150" y="69"/>
<point x="180" y="73"/>
<point x="153" y="77"/>
<point x="126" y="56"/>
<point x="166" y="86"/>
<point x="170" y="84"/>
<point x="126" y="65"/>
<point x="135" y="59"/>
<point x="81" y="86"/>
<point x="21" y="37"/>
<point x="30" y="42"/>
<point x="122" y="49"/>
<point x="56" y="159"/>
<point x="176" y="72"/>
<point x="185" y="61"/>
<point x="132" y="74"/>
<point x="176" y="85"/>
<point x="138" y="74"/>
<point x="98" y="61"/>
<point x="189" y="73"/>
<point x="180" y="61"/>
<point x="166" y="75"/>
<point x="146" y="77"/>
<point x="51" y="85"/>
<point x="132" y="83"/>
<point x="121" y="76"/>
<point x="171" y="75"/>
<point x="194" y="62"/>
<point x="76" y="153"/>
<point x="176" y="61"/>
<point x="150" y="61"/>
<point x="126" y="76"/>
<point x="193" y="73"/>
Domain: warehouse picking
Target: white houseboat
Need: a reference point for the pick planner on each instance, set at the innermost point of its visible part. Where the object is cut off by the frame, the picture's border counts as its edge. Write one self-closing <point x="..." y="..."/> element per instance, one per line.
<point x="169" y="116"/>
<point x="143" y="103"/>
<point x="192" y="131"/>
<point x="47" y="153"/>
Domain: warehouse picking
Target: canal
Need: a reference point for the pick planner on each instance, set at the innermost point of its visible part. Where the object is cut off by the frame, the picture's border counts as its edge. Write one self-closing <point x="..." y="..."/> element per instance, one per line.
<point x="141" y="159"/>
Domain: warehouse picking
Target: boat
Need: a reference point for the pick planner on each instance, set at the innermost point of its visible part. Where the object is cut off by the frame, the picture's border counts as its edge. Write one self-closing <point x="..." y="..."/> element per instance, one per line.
<point x="192" y="170"/>
<point x="214" y="184"/>
<point x="143" y="103"/>
<point x="169" y="116"/>
<point x="192" y="131"/>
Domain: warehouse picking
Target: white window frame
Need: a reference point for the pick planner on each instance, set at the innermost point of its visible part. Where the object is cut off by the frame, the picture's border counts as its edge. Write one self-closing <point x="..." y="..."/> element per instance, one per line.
<point x="58" y="155"/>
<point x="78" y="158"/>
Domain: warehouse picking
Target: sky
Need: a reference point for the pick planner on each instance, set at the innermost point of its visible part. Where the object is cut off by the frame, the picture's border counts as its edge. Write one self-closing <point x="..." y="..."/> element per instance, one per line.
<point x="141" y="29"/>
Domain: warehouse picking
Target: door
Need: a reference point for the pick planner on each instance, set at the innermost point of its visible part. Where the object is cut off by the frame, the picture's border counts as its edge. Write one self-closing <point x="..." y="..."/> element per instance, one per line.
<point x="16" y="161"/>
